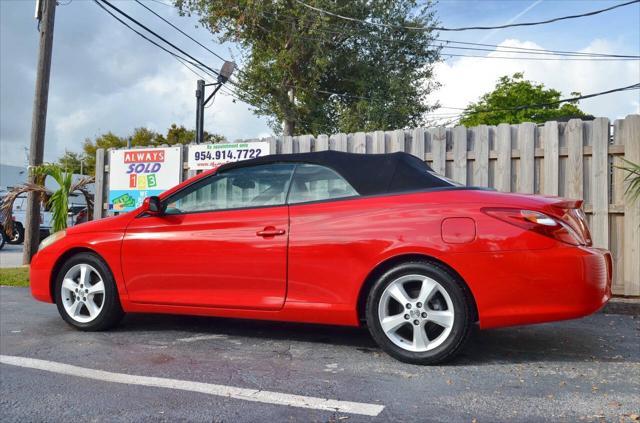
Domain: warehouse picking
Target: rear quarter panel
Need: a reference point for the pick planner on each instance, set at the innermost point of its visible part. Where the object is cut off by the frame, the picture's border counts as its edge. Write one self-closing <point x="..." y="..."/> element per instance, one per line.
<point x="333" y="246"/>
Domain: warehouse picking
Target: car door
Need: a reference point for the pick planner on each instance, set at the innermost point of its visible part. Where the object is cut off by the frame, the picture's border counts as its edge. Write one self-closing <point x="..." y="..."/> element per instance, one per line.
<point x="222" y="242"/>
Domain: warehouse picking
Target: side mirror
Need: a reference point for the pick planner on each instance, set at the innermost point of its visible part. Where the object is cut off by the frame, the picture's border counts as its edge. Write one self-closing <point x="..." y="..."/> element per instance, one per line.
<point x="153" y="206"/>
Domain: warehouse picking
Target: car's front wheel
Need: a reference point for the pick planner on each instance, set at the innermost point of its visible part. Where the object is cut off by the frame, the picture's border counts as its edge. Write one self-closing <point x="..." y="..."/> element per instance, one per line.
<point x="17" y="235"/>
<point x="86" y="293"/>
<point x="419" y="313"/>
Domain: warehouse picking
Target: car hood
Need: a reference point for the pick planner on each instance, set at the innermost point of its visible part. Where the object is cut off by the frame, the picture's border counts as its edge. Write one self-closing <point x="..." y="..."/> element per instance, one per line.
<point x="108" y="224"/>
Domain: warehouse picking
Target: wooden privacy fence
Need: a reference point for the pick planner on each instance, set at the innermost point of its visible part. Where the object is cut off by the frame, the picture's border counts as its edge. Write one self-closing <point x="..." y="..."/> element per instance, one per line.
<point x="576" y="159"/>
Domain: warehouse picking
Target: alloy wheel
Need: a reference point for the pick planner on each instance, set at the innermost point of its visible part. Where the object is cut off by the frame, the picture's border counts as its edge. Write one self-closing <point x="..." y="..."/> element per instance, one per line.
<point x="416" y="313"/>
<point x="83" y="293"/>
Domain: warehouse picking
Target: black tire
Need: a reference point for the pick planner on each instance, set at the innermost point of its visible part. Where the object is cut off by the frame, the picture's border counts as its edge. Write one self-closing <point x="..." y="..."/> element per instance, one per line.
<point x="18" y="234"/>
<point x="462" y="311"/>
<point x="111" y="312"/>
<point x="3" y="238"/>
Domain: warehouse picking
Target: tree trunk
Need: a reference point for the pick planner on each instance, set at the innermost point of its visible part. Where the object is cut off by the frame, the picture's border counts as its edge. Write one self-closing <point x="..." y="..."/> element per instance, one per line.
<point x="289" y="124"/>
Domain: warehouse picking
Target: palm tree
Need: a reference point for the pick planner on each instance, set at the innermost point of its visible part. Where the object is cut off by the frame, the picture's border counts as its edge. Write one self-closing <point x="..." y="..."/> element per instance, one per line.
<point x="58" y="201"/>
<point x="632" y="178"/>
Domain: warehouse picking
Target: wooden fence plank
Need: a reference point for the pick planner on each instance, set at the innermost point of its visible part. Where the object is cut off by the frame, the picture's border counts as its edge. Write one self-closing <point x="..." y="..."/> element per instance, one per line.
<point x="417" y="143"/>
<point x="322" y="143"/>
<point x="600" y="183"/>
<point x="460" y="154"/>
<point x="338" y="142"/>
<point x="359" y="142"/>
<point x="286" y="144"/>
<point x="439" y="149"/>
<point x="273" y="145"/>
<point x="551" y="146"/>
<point x="304" y="143"/>
<point x="503" y="165"/>
<point x="396" y="142"/>
<point x="481" y="148"/>
<point x="377" y="144"/>
<point x="575" y="141"/>
<point x="631" y="141"/>
<point x="526" y="141"/>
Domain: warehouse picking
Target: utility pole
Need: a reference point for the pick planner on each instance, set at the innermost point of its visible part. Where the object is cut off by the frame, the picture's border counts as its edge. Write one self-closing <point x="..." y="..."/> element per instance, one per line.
<point x="223" y="76"/>
<point x="45" y="13"/>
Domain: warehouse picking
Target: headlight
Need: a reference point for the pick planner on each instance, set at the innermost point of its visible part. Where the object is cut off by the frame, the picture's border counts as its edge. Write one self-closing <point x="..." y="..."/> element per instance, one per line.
<point x="56" y="236"/>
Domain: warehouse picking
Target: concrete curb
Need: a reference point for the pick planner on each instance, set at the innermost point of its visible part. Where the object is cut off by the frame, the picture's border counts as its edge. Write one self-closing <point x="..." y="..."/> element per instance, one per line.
<point x="628" y="306"/>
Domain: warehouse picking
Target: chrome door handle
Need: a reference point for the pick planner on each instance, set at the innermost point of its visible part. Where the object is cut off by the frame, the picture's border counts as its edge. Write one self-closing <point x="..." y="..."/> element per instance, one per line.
<point x="270" y="231"/>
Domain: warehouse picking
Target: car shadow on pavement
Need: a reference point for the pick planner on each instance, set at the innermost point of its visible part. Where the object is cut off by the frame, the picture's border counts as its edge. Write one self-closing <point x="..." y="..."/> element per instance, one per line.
<point x="578" y="340"/>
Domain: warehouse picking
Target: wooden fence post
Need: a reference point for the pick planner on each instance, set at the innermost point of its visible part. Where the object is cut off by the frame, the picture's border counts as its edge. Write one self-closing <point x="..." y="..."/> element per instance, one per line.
<point x="460" y="154"/>
<point x="551" y="146"/>
<point x="417" y="143"/>
<point x="481" y="148"/>
<point x="360" y="142"/>
<point x="574" y="175"/>
<point x="322" y="143"/>
<point x="526" y="144"/>
<point x="503" y="166"/>
<point x="378" y="146"/>
<point x="439" y="149"/>
<point x="600" y="183"/>
<point x="631" y="141"/>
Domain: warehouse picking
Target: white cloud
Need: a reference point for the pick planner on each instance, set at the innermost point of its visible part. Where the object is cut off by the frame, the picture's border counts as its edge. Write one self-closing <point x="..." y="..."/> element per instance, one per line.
<point x="465" y="79"/>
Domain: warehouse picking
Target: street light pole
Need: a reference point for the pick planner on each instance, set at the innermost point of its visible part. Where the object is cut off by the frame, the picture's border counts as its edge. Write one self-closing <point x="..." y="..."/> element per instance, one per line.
<point x="224" y="75"/>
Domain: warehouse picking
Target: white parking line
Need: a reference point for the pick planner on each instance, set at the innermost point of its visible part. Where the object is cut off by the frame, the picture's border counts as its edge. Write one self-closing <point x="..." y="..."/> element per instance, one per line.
<point x="267" y="397"/>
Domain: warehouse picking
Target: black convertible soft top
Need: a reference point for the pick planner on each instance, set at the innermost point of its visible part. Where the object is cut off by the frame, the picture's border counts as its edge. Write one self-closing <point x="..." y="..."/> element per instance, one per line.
<point x="367" y="173"/>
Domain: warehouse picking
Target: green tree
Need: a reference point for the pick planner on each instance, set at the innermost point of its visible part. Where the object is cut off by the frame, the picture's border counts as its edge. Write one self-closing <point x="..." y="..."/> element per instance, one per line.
<point x="513" y="92"/>
<point x="106" y="141"/>
<point x="72" y="162"/>
<point x="294" y="58"/>
<point x="141" y="137"/>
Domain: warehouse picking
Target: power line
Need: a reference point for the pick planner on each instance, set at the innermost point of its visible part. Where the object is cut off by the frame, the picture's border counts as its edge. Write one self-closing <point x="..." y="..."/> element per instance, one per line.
<point x="443" y="42"/>
<point x="435" y="28"/>
<point x="194" y="62"/>
<point x="158" y="36"/>
<point x="532" y="50"/>
<point x="175" y="55"/>
<point x="182" y="32"/>
<point x="590" y="59"/>
<point x="554" y="103"/>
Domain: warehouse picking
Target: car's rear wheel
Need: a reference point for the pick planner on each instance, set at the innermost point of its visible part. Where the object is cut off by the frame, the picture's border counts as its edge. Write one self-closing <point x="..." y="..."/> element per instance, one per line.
<point x="86" y="294"/>
<point x="419" y="312"/>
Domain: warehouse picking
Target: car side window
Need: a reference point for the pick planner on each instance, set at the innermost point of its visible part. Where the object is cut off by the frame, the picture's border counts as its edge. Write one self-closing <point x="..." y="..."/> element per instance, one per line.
<point x="256" y="186"/>
<point x="313" y="183"/>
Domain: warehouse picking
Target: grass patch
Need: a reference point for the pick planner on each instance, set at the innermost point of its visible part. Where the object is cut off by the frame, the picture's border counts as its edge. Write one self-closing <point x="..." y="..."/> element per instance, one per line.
<point x="14" y="276"/>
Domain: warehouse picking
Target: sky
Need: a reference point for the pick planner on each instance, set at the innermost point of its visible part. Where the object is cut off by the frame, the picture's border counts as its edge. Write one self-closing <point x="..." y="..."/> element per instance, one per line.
<point x="106" y="78"/>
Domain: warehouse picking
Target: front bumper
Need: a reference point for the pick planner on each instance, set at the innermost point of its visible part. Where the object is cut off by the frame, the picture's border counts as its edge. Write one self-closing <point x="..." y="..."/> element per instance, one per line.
<point x="40" y="272"/>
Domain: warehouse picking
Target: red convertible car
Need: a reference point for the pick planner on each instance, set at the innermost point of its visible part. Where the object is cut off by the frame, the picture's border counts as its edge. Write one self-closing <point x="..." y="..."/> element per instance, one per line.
<point x="333" y="238"/>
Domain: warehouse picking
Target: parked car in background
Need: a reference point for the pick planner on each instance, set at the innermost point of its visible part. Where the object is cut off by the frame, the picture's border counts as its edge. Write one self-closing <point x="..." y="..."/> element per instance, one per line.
<point x="81" y="216"/>
<point x="333" y="238"/>
<point x="19" y="215"/>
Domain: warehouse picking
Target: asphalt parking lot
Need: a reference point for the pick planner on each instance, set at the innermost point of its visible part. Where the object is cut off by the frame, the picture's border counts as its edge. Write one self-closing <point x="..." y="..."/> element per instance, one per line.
<point x="585" y="370"/>
<point x="11" y="255"/>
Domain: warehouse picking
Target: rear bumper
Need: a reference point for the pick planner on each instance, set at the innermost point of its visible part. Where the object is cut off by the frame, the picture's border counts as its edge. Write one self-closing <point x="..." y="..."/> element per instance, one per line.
<point x="524" y="287"/>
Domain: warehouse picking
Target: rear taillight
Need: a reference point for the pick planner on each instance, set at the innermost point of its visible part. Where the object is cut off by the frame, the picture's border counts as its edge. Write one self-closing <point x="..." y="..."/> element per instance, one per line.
<point x="577" y="220"/>
<point x="538" y="222"/>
